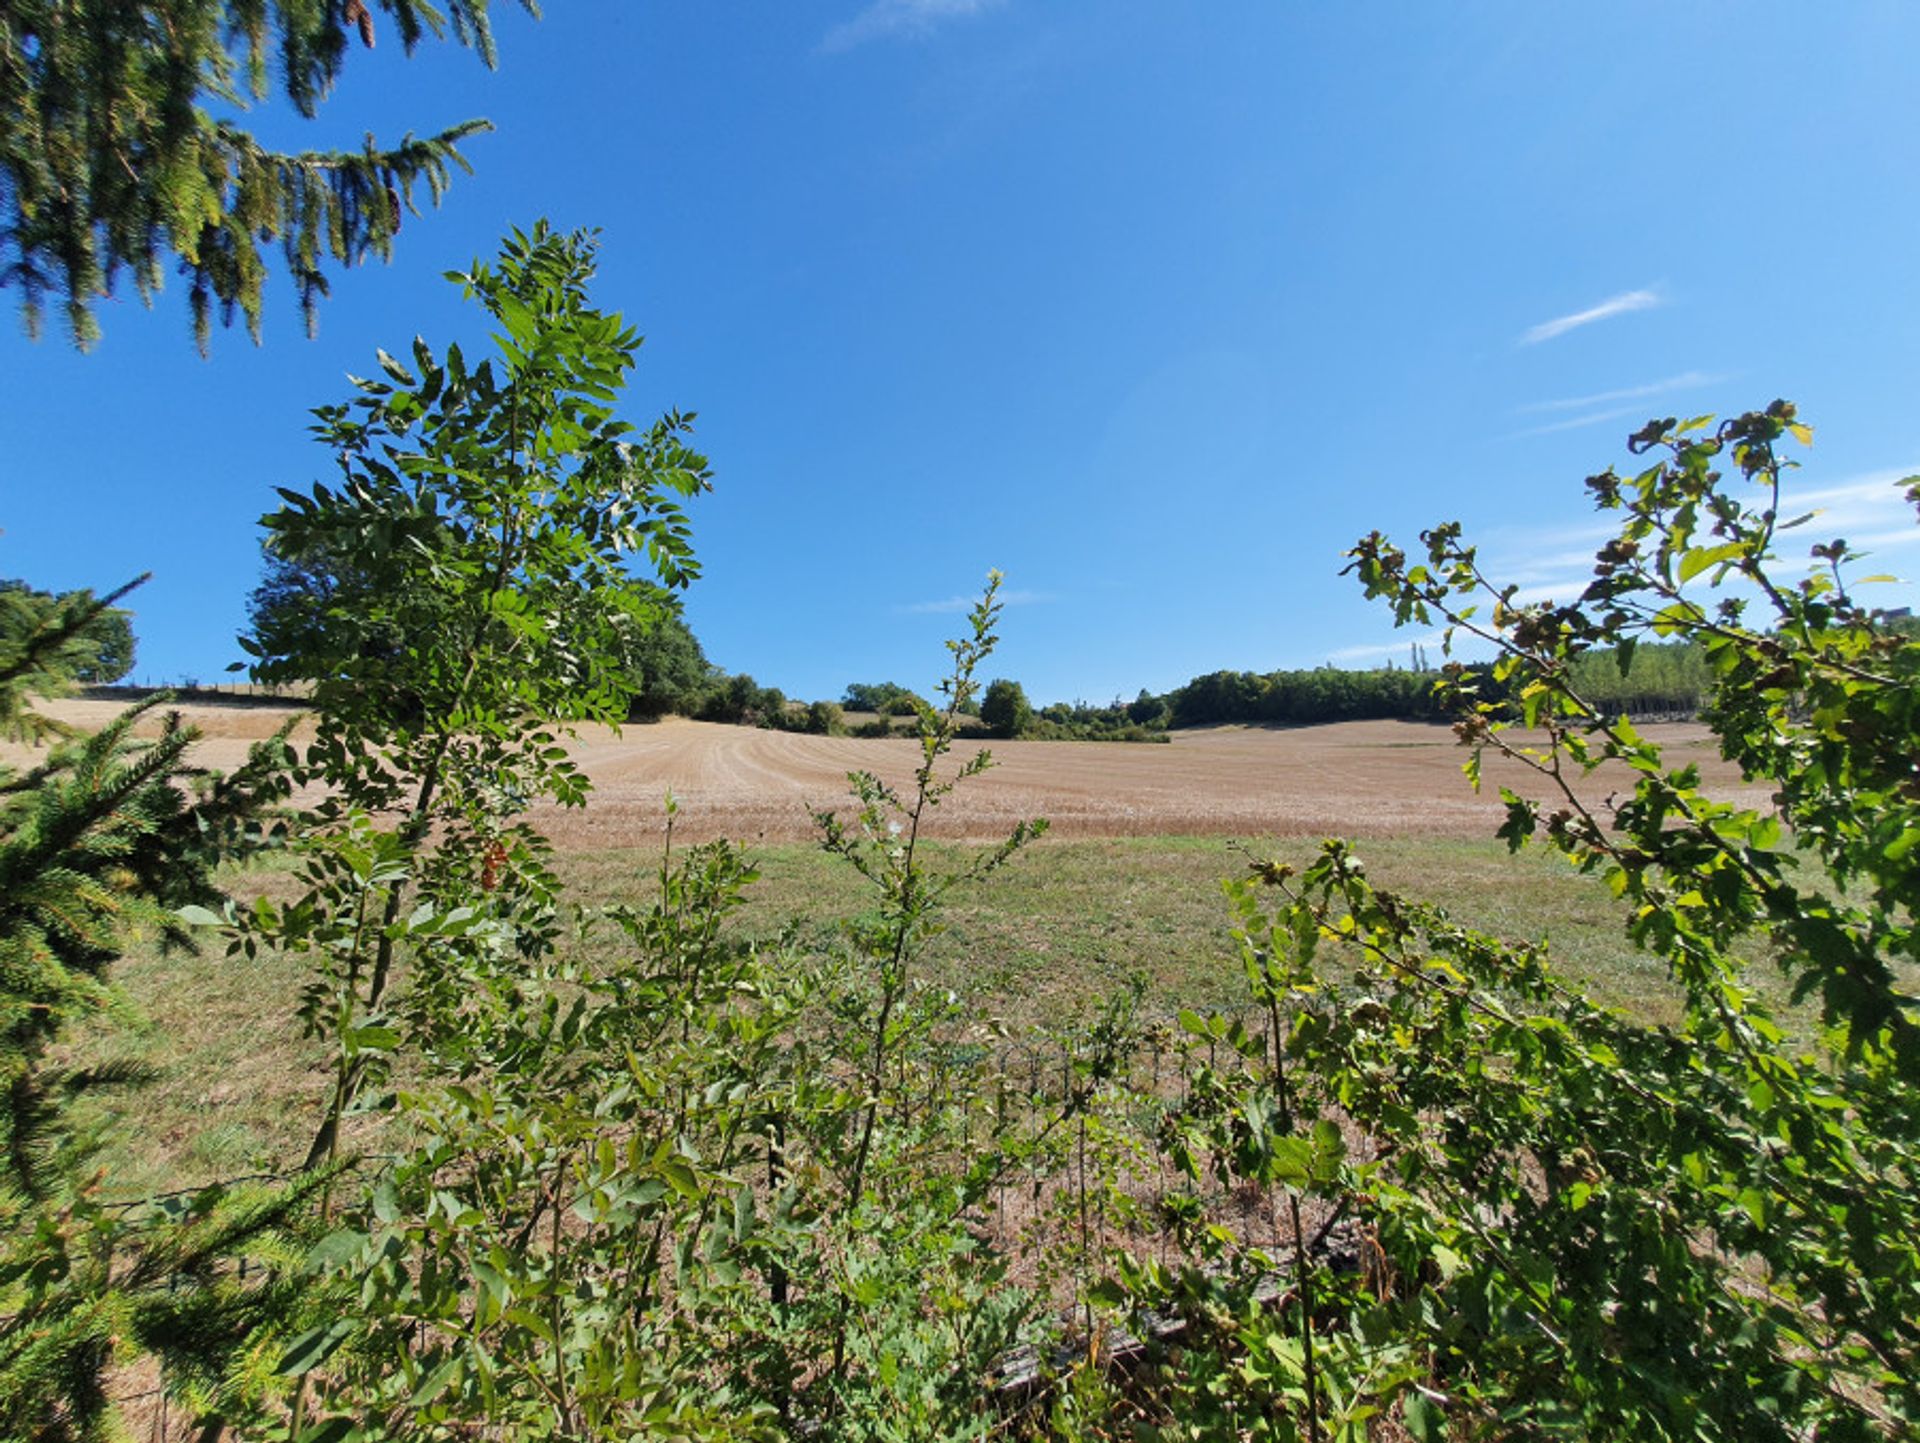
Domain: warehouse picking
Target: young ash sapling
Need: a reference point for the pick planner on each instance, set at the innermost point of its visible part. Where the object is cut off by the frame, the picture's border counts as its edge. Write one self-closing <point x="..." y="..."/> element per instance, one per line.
<point x="470" y="596"/>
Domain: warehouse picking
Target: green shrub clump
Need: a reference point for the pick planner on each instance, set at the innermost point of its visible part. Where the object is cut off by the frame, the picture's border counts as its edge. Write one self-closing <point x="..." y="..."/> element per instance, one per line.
<point x="645" y="1180"/>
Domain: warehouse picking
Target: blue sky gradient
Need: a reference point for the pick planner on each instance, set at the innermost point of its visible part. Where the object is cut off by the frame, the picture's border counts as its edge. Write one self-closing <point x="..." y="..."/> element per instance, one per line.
<point x="1155" y="308"/>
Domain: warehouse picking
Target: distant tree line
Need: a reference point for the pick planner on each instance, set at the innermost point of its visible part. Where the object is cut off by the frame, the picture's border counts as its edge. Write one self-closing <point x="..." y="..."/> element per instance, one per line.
<point x="1649" y="679"/>
<point x="883" y="698"/>
<point x="669" y="673"/>
<point x="1137" y="721"/>
<point x="674" y="675"/>
<point x="1297" y="698"/>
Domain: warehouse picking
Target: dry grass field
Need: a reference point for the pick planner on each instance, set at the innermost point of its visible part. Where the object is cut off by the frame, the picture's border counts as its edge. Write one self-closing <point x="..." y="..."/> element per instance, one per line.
<point x="1359" y="779"/>
<point x="1124" y="886"/>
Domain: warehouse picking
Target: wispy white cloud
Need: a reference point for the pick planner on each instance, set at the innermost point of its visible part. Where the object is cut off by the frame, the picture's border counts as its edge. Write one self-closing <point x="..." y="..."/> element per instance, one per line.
<point x="1877" y="493"/>
<point x="953" y="604"/>
<point x="1612" y="306"/>
<point x="1574" y="423"/>
<point x="1871" y="512"/>
<point x="885" y="19"/>
<point x="1685" y="381"/>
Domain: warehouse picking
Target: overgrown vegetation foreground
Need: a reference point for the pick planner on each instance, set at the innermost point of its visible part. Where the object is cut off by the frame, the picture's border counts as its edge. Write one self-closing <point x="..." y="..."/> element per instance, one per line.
<point x="643" y="1181"/>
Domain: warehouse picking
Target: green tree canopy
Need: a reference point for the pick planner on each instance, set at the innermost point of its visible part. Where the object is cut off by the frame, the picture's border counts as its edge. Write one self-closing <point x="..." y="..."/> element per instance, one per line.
<point x="111" y="160"/>
<point x="886" y="697"/>
<point x="1005" y="708"/>
<point x="667" y="669"/>
<point x="101" y="838"/>
<point x="469" y="570"/>
<point x="1146" y="708"/>
<point x="472" y="589"/>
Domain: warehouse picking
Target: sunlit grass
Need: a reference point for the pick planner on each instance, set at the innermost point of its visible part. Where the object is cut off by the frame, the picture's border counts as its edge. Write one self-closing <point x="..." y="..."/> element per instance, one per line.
<point x="1066" y="924"/>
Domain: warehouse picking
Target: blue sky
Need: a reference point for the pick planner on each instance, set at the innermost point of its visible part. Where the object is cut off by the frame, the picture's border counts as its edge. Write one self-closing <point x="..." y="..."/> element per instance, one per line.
<point x="1156" y="308"/>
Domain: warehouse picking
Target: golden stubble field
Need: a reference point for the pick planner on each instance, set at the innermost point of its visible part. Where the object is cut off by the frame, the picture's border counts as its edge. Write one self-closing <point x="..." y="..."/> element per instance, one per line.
<point x="1125" y="887"/>
<point x="1360" y="779"/>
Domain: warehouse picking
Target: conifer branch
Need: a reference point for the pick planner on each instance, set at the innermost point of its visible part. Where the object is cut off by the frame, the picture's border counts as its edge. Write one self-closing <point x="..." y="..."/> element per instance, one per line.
<point x="111" y="166"/>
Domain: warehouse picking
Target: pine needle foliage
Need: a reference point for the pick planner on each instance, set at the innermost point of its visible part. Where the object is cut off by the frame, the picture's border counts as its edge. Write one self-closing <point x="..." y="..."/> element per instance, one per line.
<point x="88" y="1287"/>
<point x="48" y="642"/>
<point x="98" y="840"/>
<point x="107" y="837"/>
<point x="111" y="161"/>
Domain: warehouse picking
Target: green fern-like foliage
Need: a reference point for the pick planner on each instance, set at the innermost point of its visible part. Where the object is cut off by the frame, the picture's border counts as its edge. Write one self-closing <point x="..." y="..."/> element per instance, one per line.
<point x="111" y="163"/>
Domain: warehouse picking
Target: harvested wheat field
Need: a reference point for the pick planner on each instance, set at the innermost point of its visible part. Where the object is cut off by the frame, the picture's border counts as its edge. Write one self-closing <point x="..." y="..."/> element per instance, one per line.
<point x="1365" y="779"/>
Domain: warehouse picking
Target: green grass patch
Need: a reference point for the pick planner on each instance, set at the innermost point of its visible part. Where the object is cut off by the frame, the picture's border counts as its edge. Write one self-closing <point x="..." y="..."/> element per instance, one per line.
<point x="1065" y="924"/>
<point x="1069" y="921"/>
